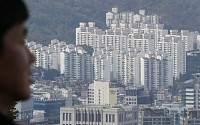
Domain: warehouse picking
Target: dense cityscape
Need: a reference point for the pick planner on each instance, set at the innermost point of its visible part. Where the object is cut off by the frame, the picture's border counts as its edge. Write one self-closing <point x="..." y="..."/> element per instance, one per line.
<point x="135" y="72"/>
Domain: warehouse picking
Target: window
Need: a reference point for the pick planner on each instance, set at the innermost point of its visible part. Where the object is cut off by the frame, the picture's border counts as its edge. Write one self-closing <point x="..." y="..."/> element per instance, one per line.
<point x="63" y="116"/>
<point x="106" y="117"/>
<point x="110" y="118"/>
<point x="70" y="116"/>
<point x="86" y="116"/>
<point x="66" y="116"/>
<point x="83" y="116"/>
<point x="113" y="118"/>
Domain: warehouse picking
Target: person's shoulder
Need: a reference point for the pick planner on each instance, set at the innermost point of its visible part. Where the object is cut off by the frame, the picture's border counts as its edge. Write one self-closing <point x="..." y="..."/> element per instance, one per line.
<point x="5" y="121"/>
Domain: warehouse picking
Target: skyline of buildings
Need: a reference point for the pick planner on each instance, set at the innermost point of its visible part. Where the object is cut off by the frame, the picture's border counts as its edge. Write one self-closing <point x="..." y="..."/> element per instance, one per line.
<point x="129" y="79"/>
<point x="120" y="51"/>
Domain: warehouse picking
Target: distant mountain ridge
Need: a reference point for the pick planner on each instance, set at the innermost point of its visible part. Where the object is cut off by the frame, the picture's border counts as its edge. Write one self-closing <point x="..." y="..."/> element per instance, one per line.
<point x="58" y="19"/>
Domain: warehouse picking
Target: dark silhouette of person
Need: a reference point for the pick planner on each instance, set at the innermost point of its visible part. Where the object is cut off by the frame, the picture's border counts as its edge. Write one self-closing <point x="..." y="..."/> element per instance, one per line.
<point x="15" y="57"/>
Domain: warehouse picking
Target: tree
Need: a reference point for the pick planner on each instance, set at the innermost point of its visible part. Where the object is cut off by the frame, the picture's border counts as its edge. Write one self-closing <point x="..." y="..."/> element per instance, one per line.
<point x="12" y="112"/>
<point x="88" y="49"/>
<point x="50" y="74"/>
<point x="60" y="18"/>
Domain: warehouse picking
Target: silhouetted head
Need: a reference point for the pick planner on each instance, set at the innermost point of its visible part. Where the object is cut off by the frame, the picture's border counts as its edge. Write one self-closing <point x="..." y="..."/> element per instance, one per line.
<point x="12" y="12"/>
<point x="15" y="57"/>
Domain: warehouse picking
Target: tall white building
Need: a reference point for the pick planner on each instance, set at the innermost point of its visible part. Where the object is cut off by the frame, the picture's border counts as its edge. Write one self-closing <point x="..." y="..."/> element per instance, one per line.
<point x="47" y="57"/>
<point x="76" y="63"/>
<point x="156" y="70"/>
<point x="88" y="35"/>
<point x="129" y="18"/>
<point x="105" y="63"/>
<point x="101" y="93"/>
<point x="175" y="47"/>
<point x="128" y="66"/>
<point x="116" y="37"/>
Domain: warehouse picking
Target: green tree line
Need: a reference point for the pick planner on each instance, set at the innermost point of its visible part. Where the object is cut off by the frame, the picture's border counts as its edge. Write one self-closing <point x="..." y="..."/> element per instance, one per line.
<point x="58" y="18"/>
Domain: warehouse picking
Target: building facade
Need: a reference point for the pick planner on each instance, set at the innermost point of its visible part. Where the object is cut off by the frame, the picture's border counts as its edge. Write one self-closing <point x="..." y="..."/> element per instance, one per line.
<point x="101" y="93"/>
<point x="99" y="114"/>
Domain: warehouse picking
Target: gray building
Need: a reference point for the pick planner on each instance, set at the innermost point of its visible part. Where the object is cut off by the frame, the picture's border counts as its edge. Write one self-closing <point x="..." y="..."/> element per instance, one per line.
<point x="193" y="118"/>
<point x="25" y="109"/>
<point x="157" y="116"/>
<point x="191" y="92"/>
<point x="99" y="115"/>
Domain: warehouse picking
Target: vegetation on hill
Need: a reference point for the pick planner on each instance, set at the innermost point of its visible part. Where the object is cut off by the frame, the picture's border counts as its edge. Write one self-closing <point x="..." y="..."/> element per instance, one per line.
<point x="58" y="18"/>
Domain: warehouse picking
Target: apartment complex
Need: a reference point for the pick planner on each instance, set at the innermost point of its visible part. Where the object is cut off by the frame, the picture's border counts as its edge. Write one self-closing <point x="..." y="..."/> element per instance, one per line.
<point x="128" y="30"/>
<point x="156" y="70"/>
<point x="133" y="67"/>
<point x="69" y="60"/>
<point x="76" y="63"/>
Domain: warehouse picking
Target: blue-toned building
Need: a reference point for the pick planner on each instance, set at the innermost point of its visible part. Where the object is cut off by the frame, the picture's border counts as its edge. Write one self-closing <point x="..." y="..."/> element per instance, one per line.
<point x="192" y="62"/>
<point x="51" y="107"/>
<point x="48" y="100"/>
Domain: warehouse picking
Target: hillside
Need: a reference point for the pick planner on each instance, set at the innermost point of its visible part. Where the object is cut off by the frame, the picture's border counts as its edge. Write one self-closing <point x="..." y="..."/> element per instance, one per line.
<point x="58" y="18"/>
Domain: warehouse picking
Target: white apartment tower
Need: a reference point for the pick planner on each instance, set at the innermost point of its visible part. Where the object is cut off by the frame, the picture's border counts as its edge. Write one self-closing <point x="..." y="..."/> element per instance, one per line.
<point x="128" y="67"/>
<point x="175" y="48"/>
<point x="76" y="63"/>
<point x="116" y="37"/>
<point x="105" y="63"/>
<point x="129" y="18"/>
<point x="156" y="70"/>
<point x="88" y="35"/>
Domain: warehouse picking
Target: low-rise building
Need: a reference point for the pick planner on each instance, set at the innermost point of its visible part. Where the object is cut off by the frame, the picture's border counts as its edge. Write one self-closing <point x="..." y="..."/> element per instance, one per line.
<point x="102" y="93"/>
<point x="157" y="116"/>
<point x="50" y="99"/>
<point x="191" y="92"/>
<point x="136" y="95"/>
<point x="193" y="118"/>
<point x="99" y="114"/>
<point x="25" y="109"/>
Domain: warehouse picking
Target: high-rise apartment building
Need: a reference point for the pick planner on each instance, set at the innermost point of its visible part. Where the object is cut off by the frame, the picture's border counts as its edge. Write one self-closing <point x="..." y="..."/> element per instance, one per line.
<point x="128" y="67"/>
<point x="129" y="18"/>
<point x="76" y="63"/>
<point x="105" y="63"/>
<point x="156" y="70"/>
<point x="88" y="35"/>
<point x="116" y="37"/>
